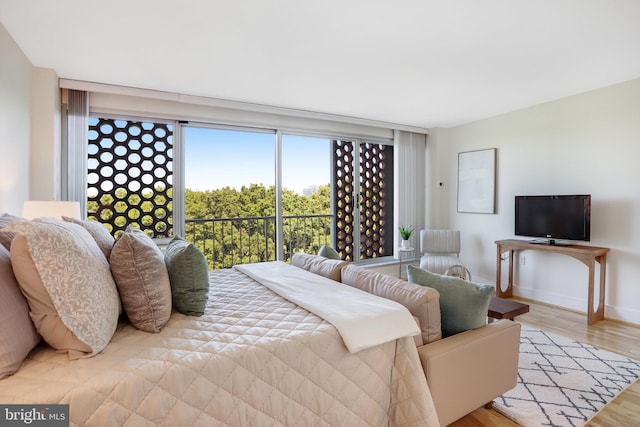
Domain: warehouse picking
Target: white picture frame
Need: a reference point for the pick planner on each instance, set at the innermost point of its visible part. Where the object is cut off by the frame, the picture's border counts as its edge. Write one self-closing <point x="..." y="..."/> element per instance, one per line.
<point x="477" y="181"/>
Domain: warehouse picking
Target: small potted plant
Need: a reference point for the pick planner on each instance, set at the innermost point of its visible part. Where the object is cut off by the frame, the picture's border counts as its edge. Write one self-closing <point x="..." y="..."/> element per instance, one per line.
<point x="405" y="233"/>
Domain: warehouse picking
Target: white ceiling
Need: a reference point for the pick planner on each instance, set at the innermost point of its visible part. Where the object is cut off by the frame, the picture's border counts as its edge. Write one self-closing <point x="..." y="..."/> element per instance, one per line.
<point x="424" y="63"/>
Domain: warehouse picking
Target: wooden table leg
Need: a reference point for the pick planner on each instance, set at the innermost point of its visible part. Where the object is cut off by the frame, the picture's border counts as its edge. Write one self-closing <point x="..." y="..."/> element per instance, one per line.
<point x="507" y="293"/>
<point x="590" y="310"/>
<point x="603" y="273"/>
<point x="499" y="272"/>
<point x="597" y="314"/>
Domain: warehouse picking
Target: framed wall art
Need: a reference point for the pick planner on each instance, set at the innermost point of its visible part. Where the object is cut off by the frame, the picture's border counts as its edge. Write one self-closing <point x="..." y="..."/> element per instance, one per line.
<point x="477" y="181"/>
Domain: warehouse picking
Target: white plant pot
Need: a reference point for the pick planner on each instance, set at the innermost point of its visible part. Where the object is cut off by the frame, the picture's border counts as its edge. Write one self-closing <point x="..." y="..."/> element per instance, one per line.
<point x="405" y="244"/>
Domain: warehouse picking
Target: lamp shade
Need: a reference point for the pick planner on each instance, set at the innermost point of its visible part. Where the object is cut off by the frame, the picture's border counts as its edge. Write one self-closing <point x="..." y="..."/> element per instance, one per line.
<point x="51" y="209"/>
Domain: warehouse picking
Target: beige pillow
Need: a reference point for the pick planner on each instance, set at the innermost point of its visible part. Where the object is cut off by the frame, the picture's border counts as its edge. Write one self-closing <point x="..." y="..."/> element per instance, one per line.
<point x="17" y="333"/>
<point x="5" y="236"/>
<point x="423" y="302"/>
<point x="72" y="297"/>
<point x="99" y="232"/>
<point x="320" y="265"/>
<point x="138" y="267"/>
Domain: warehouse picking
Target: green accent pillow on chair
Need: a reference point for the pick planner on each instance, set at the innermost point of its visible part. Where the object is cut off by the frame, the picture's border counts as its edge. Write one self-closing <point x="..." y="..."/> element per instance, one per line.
<point x="328" y="252"/>
<point x="463" y="305"/>
<point x="188" y="275"/>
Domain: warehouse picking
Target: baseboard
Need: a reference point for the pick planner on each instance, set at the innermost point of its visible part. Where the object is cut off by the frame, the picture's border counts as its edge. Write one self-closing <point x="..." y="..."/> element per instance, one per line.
<point x="622" y="315"/>
<point x="577" y="304"/>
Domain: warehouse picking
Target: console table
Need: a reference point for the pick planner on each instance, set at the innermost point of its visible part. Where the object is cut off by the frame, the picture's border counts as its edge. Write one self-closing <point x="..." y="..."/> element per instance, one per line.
<point x="588" y="255"/>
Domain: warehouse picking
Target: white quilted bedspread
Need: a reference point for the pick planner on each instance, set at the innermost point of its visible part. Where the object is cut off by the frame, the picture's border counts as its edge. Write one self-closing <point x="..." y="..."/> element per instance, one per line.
<point x="253" y="359"/>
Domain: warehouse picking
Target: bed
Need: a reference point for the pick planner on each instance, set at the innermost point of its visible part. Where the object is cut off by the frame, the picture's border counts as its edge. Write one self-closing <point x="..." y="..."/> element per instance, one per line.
<point x="252" y="359"/>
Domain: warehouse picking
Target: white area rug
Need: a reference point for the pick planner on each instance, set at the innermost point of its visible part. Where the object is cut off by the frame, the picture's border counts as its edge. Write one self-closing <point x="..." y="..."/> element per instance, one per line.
<point x="562" y="382"/>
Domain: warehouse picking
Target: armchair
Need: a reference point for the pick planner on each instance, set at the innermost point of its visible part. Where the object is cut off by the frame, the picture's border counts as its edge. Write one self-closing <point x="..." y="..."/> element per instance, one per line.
<point x="440" y="250"/>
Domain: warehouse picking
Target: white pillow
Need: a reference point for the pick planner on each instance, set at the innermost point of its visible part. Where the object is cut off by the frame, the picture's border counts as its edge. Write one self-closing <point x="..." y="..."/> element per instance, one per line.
<point x="327" y="267"/>
<point x="98" y="231"/>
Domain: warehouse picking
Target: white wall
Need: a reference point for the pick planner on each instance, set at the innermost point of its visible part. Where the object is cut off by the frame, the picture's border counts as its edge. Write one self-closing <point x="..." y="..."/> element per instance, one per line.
<point x="587" y="144"/>
<point x="30" y="133"/>
<point x="15" y="104"/>
<point x="45" y="135"/>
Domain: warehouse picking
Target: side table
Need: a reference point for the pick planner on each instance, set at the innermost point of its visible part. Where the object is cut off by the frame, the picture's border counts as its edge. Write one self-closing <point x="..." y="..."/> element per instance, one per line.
<point x="404" y="253"/>
<point x="500" y="308"/>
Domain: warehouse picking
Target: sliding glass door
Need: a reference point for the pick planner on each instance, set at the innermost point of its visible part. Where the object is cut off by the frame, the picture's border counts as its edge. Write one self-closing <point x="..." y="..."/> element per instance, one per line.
<point x="255" y="195"/>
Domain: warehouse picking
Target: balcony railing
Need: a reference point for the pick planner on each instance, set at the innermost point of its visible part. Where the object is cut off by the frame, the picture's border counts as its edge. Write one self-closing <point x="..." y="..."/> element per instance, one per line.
<point x="229" y="241"/>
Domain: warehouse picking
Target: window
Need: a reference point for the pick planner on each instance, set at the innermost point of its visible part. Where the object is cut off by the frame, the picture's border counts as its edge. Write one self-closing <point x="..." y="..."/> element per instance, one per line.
<point x="306" y="193"/>
<point x="249" y="195"/>
<point x="230" y="201"/>
<point x="130" y="175"/>
<point x="231" y="194"/>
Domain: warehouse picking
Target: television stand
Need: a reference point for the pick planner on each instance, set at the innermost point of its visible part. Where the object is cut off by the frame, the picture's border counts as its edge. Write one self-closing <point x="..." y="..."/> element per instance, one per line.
<point x="588" y="255"/>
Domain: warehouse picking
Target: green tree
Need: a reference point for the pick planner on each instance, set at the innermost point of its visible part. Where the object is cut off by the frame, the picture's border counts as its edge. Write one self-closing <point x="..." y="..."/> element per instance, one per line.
<point x="226" y="242"/>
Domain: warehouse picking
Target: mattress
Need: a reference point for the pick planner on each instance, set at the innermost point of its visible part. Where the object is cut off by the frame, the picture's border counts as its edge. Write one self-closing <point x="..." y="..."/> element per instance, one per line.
<point x="252" y="359"/>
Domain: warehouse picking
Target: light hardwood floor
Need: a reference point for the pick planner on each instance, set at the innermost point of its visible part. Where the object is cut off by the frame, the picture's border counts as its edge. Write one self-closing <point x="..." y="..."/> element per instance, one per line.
<point x="608" y="335"/>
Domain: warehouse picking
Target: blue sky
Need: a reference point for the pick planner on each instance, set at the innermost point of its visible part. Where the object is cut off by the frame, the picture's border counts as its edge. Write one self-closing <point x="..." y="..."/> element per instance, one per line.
<point x="217" y="158"/>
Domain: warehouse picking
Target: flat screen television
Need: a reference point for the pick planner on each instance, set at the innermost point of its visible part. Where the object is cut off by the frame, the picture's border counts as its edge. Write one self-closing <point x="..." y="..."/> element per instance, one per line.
<point x="554" y="218"/>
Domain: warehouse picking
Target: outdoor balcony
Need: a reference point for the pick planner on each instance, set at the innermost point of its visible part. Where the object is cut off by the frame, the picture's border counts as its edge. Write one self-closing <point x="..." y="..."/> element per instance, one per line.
<point x="229" y="241"/>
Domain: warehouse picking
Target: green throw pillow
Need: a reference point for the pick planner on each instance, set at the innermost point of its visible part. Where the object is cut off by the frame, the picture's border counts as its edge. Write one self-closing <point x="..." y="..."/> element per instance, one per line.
<point x="328" y="252"/>
<point x="463" y="304"/>
<point x="188" y="275"/>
